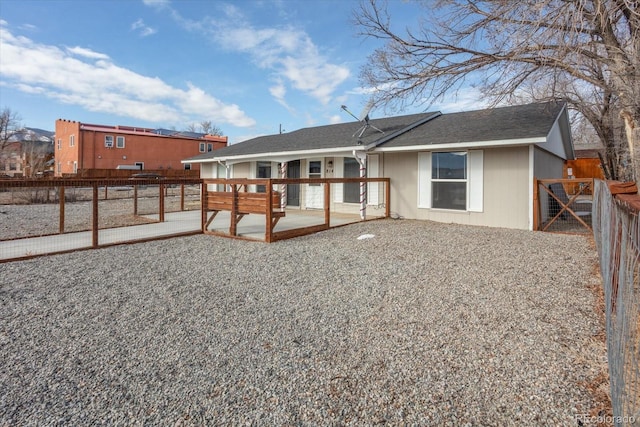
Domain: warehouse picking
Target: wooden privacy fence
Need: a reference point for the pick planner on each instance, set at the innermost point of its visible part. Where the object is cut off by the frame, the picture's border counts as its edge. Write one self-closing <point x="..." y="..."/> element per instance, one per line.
<point x="241" y="197"/>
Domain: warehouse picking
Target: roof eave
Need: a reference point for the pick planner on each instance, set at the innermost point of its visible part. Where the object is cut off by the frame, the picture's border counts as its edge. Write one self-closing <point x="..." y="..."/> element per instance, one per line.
<point x="464" y="145"/>
<point x="280" y="156"/>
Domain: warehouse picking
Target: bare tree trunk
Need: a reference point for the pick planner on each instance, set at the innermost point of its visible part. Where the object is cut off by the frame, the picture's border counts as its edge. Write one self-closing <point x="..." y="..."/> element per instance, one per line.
<point x="632" y="130"/>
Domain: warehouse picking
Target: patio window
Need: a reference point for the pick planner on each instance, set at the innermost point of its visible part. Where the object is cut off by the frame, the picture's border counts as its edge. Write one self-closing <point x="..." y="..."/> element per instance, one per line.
<point x="315" y="171"/>
<point x="263" y="170"/>
<point x="451" y="180"/>
<point x="351" y="189"/>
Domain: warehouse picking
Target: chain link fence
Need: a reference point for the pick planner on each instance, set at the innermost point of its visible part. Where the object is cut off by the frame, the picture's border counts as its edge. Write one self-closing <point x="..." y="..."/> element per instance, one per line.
<point x="617" y="235"/>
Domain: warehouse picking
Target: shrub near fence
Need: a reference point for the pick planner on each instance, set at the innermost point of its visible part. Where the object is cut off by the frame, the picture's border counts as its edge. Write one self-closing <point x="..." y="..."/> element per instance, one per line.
<point x="617" y="235"/>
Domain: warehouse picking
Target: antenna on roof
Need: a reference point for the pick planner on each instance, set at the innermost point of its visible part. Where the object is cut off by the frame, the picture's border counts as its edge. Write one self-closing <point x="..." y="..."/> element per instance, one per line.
<point x="364" y="119"/>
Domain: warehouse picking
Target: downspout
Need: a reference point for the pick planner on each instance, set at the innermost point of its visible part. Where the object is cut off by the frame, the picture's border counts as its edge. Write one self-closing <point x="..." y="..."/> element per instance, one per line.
<point x="361" y="157"/>
<point x="227" y="172"/>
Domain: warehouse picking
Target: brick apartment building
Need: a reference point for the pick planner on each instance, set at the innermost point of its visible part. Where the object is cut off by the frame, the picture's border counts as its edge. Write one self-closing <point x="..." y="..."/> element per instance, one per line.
<point x="80" y="146"/>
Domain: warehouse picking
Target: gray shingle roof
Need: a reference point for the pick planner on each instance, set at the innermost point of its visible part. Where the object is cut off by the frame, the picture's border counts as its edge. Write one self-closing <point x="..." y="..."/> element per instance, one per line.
<point x="321" y="137"/>
<point x="504" y="123"/>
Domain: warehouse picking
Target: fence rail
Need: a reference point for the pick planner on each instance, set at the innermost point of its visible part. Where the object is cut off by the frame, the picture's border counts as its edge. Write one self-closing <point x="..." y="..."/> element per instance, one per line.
<point x="617" y="235"/>
<point x="42" y="216"/>
<point x="55" y="215"/>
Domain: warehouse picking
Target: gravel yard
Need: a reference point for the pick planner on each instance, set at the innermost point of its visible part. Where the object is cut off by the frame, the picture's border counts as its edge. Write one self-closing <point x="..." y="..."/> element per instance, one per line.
<point x="423" y="324"/>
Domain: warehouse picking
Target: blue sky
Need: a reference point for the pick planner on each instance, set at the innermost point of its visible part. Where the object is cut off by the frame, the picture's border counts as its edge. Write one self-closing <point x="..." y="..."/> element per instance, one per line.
<point x="249" y="67"/>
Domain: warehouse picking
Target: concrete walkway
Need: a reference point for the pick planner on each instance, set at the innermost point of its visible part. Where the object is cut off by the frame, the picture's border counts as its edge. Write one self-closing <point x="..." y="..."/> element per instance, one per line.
<point x="175" y="223"/>
<point x="251" y="226"/>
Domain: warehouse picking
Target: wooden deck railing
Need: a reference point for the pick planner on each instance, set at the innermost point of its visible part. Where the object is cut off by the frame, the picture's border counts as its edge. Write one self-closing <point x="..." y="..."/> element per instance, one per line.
<point x="240" y="198"/>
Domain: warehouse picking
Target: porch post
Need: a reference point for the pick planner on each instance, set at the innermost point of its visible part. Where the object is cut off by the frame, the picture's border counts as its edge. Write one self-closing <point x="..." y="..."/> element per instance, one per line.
<point x="362" y="160"/>
<point x="283" y="187"/>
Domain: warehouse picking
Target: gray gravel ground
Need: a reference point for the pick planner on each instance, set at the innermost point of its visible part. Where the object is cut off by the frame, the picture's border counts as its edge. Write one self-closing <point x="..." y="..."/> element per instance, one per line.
<point x="423" y="324"/>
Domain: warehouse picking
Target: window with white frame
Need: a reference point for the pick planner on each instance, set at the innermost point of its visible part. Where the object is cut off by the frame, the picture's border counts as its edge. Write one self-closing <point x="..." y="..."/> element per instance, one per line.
<point x="72" y="140"/>
<point x="202" y="147"/>
<point x="108" y="141"/>
<point x="187" y="166"/>
<point x="263" y="170"/>
<point x="120" y="142"/>
<point x="209" y="148"/>
<point x="451" y="180"/>
<point x="75" y="167"/>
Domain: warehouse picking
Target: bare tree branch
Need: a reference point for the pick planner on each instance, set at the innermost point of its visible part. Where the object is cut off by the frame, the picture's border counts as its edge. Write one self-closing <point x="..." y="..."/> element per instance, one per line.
<point x="9" y="126"/>
<point x="504" y="46"/>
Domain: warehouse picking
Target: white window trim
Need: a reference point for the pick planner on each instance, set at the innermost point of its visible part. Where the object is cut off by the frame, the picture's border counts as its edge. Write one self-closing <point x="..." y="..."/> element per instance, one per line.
<point x="108" y="141"/>
<point x="202" y="147"/>
<point x="475" y="182"/>
<point x="118" y="139"/>
<point x="72" y="140"/>
<point x="475" y="177"/>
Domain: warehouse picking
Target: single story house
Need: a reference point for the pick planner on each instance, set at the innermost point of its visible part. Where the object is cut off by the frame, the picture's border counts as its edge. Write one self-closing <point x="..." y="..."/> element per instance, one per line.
<point x="475" y="167"/>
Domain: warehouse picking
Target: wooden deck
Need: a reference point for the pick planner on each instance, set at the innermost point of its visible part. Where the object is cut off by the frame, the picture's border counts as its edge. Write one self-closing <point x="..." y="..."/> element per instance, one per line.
<point x="238" y="199"/>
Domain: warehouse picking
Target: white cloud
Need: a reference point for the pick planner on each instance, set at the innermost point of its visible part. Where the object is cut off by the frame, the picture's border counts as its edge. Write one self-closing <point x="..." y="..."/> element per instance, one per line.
<point x="157" y="3"/>
<point x="142" y="29"/>
<point x="28" y="27"/>
<point x="335" y="119"/>
<point x="83" y="77"/>
<point x="87" y="53"/>
<point x="467" y="99"/>
<point x="278" y="92"/>
<point x="288" y="53"/>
